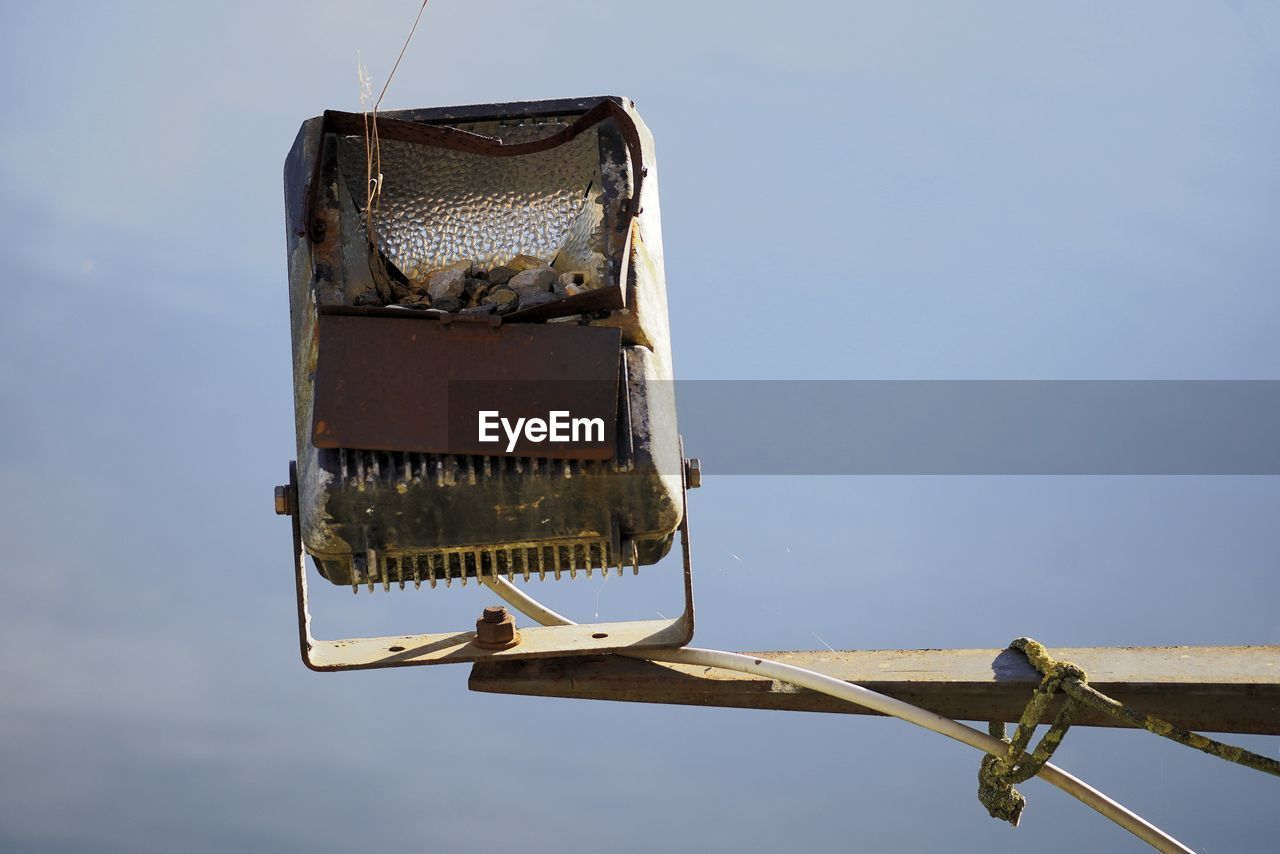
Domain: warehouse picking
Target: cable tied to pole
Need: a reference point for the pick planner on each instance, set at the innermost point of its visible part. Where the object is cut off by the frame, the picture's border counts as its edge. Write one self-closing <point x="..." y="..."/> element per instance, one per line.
<point x="999" y="774"/>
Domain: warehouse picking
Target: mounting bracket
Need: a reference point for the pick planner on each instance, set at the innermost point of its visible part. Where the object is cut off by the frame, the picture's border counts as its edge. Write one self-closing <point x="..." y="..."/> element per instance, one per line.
<point x="457" y="647"/>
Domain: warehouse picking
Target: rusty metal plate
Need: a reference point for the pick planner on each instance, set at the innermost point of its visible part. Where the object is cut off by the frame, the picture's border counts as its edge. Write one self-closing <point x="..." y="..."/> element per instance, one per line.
<point x="418" y="383"/>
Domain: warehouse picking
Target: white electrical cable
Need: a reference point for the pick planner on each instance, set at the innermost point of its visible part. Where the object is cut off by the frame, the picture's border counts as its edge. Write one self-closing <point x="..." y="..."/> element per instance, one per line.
<point x="1078" y="789"/>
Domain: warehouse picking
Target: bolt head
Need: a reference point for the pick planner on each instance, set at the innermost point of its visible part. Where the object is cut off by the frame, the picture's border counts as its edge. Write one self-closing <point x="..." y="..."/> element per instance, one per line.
<point x="693" y="473"/>
<point x="282" y="500"/>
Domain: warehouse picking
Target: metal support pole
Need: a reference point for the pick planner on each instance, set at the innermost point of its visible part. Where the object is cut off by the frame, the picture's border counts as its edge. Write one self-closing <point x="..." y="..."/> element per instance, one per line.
<point x="1232" y="689"/>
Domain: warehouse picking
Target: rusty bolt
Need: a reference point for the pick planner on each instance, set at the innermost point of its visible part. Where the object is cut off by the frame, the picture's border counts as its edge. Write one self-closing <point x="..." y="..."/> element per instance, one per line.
<point x="284" y="501"/>
<point x="496" y="629"/>
<point x="693" y="473"/>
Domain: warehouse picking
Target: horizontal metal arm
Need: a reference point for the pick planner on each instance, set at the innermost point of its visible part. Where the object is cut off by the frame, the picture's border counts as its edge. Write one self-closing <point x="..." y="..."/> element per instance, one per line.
<point x="1209" y="689"/>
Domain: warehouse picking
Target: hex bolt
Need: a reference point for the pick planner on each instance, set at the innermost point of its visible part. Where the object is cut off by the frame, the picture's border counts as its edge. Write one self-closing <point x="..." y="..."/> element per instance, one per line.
<point x="496" y="629"/>
<point x="692" y="473"/>
<point x="284" y="501"/>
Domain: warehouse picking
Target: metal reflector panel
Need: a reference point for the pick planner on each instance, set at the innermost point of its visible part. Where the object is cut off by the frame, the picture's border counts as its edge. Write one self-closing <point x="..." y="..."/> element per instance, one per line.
<point x="440" y="206"/>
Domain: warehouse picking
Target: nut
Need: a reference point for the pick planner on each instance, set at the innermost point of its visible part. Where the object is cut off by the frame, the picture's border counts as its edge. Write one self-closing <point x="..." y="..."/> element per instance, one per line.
<point x="692" y="473"/>
<point x="284" y="501"/>
<point x="496" y="629"/>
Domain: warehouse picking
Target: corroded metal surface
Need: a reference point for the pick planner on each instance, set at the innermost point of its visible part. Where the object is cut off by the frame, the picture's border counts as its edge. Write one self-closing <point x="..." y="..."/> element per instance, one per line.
<point x="443" y="517"/>
<point x="416" y="384"/>
<point x="1210" y="689"/>
<point x="455" y="647"/>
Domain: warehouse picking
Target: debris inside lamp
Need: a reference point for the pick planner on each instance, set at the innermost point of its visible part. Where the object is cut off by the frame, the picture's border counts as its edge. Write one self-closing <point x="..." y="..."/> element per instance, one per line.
<point x="521" y="283"/>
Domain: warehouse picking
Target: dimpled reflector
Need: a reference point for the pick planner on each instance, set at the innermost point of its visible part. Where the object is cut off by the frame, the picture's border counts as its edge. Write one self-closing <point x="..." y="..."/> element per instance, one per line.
<point x="441" y="206"/>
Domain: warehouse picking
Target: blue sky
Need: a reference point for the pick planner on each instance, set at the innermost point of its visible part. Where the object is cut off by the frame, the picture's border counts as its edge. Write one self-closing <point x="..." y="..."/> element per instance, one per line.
<point x="849" y="191"/>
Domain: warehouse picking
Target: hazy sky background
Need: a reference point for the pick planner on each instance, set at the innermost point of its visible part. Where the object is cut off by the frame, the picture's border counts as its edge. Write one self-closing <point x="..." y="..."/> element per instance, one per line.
<point x="849" y="191"/>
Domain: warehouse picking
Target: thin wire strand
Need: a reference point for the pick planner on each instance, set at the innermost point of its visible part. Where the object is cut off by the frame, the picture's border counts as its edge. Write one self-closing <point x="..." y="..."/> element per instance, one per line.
<point x="373" y="158"/>
<point x="412" y="30"/>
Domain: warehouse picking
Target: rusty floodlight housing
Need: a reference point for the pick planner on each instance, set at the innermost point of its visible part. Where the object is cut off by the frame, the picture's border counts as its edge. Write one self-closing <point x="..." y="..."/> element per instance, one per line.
<point x="393" y="483"/>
